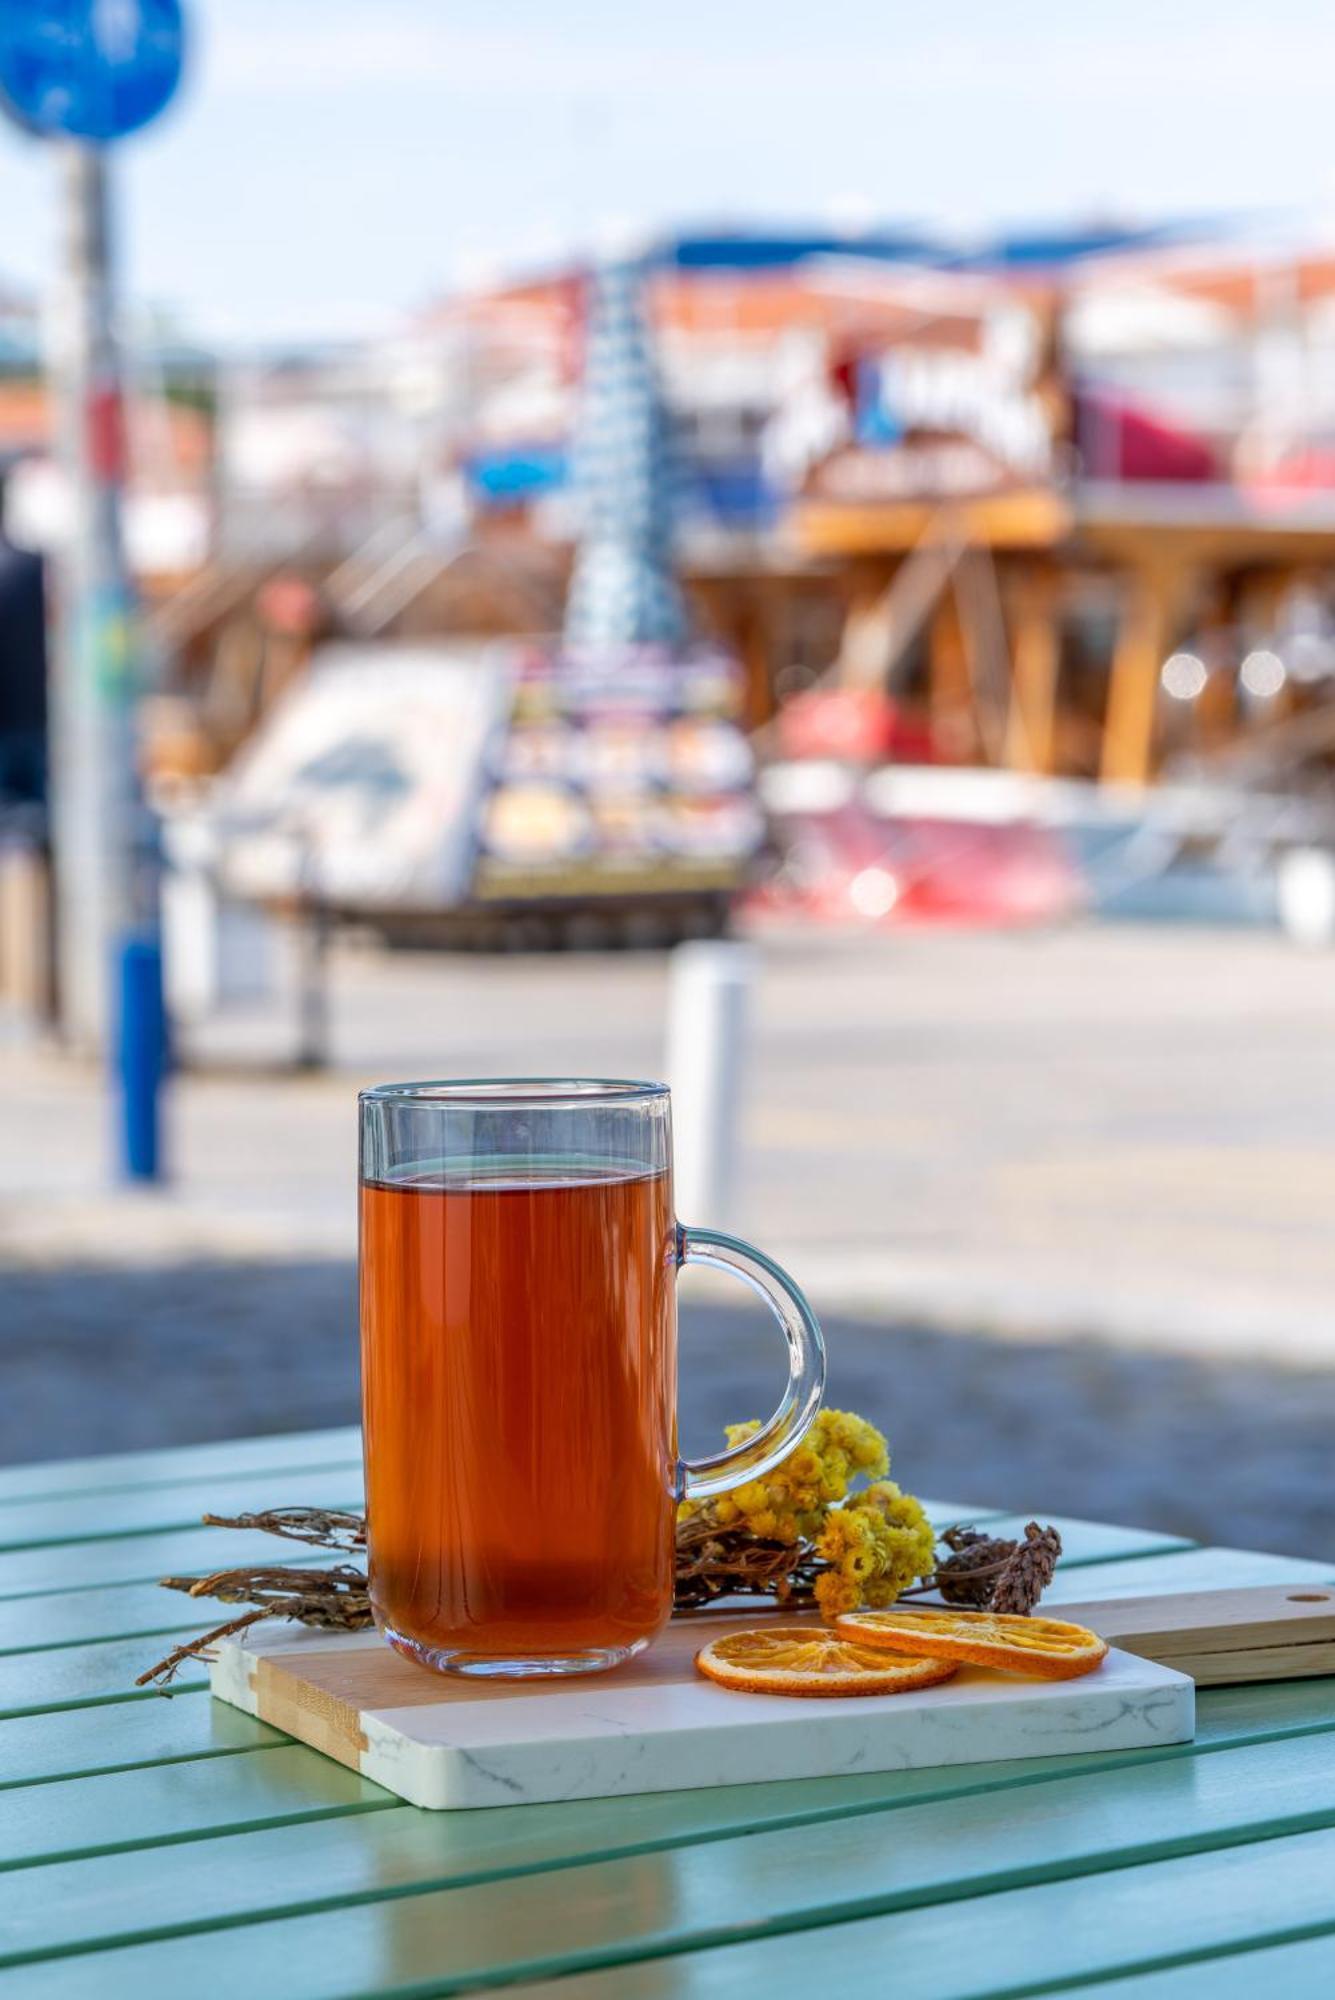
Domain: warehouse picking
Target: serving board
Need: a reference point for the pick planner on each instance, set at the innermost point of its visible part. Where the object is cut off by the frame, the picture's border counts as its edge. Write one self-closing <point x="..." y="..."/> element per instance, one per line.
<point x="1262" y="1632"/>
<point x="655" y="1725"/>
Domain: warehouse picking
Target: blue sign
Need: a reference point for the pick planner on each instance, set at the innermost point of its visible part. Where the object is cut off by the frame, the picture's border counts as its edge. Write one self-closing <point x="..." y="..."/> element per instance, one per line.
<point x="89" y="69"/>
<point x="875" y="418"/>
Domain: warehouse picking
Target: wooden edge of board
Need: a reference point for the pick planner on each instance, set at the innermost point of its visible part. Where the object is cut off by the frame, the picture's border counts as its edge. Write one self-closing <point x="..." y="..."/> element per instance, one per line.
<point x="303" y="1709"/>
<point x="1258" y="1663"/>
<point x="1269" y="1617"/>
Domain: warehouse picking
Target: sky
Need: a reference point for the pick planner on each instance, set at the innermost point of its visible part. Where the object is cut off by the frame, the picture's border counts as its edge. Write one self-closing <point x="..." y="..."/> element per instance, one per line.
<point x="331" y="164"/>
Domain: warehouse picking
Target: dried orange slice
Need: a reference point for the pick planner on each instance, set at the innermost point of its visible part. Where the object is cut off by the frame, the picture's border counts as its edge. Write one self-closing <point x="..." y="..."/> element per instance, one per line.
<point x="812" y="1660"/>
<point x="1046" y="1647"/>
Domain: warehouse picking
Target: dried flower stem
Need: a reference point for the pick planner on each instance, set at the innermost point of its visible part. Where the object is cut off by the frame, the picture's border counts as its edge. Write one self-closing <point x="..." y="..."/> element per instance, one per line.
<point x="712" y="1563"/>
<point x="166" y="1670"/>
<point x="321" y="1526"/>
<point x="336" y="1599"/>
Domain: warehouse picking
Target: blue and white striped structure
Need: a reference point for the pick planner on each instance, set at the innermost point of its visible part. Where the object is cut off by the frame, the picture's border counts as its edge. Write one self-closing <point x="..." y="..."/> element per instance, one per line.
<point x="623" y="591"/>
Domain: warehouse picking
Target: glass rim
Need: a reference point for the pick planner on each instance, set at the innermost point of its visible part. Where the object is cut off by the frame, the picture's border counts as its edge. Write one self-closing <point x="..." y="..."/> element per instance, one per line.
<point x="504" y="1090"/>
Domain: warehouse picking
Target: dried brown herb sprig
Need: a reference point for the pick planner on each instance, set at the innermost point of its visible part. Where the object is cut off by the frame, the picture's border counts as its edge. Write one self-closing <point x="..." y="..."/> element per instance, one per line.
<point x="323" y="1527"/>
<point x="715" y="1562"/>
<point x="984" y="1572"/>
<point x="336" y="1599"/>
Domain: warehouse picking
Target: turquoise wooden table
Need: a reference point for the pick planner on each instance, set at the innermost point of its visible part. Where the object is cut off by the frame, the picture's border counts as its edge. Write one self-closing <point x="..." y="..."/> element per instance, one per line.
<point x="156" y="1847"/>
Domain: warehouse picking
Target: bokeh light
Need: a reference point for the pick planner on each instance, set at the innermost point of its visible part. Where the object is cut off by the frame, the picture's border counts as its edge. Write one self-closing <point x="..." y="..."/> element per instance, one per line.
<point x="1263" y="674"/>
<point x="1183" y="676"/>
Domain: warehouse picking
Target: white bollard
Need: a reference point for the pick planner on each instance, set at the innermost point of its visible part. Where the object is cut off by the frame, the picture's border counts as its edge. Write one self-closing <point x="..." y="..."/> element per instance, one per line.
<point x="1305" y="888"/>
<point x="707" y="1006"/>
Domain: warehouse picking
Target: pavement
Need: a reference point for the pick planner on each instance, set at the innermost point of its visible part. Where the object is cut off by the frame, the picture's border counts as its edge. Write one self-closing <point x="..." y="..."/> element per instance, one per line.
<point x="1064" y="1201"/>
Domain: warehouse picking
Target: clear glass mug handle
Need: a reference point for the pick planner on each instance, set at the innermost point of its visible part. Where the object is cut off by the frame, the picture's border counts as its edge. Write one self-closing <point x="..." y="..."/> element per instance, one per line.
<point x="699" y="1478"/>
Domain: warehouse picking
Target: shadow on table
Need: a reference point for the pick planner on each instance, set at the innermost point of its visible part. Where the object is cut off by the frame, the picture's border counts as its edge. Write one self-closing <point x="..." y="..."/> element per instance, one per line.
<point x="113" y="1359"/>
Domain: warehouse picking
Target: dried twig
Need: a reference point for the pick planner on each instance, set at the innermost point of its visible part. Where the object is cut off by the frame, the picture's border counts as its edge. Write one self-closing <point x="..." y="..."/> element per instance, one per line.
<point x="987" y="1573"/>
<point x="725" y="1562"/>
<point x="320" y="1526"/>
<point x="166" y="1670"/>
<point x="335" y="1599"/>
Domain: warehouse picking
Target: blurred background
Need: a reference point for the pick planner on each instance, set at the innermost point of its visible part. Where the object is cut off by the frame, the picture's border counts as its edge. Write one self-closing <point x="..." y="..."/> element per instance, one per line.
<point x="791" y="549"/>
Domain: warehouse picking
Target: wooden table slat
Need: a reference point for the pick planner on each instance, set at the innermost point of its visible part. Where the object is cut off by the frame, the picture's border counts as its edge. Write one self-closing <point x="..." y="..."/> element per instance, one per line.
<point x="1091" y="1542"/>
<point x="294" y="1452"/>
<point x="1187" y="1569"/>
<point x="128" y="1610"/>
<point x="78" y="1676"/>
<point x="87" y="1517"/>
<point x="1303" y="1971"/>
<point x="30" y="1574"/>
<point x="1004" y="1946"/>
<point x="86" y="1742"/>
<point x="173" y="1802"/>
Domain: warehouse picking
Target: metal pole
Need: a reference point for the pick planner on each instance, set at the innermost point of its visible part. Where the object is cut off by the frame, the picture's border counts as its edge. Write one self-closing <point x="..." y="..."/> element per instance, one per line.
<point x="313" y="939"/>
<point x="105" y="868"/>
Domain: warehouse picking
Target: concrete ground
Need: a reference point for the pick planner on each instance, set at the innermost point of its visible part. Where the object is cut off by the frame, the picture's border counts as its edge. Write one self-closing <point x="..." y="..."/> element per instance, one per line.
<point x="1064" y="1201"/>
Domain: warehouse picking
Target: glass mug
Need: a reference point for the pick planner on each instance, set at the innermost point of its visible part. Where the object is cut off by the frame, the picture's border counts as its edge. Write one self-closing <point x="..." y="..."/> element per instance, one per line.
<point x="518" y="1264"/>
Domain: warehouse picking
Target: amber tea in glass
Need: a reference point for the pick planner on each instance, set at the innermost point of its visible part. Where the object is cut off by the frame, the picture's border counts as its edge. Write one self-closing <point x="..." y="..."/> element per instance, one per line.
<point x="519" y="1255"/>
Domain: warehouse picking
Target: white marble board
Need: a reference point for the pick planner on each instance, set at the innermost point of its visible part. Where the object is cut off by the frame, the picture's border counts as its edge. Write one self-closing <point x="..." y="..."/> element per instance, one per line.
<point x="655" y="1725"/>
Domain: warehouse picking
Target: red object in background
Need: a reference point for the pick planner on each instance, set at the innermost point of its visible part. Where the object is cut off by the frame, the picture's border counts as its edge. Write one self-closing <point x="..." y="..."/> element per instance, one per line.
<point x="851" y="866"/>
<point x="289" y="604"/>
<point x="851" y="725"/>
<point x="1119" y="440"/>
<point x="106" y="434"/>
<point x="1309" y="470"/>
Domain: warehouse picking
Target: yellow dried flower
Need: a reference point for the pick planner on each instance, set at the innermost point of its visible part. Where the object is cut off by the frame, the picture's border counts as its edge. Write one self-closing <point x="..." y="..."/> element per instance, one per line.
<point x="876" y="1542"/>
<point x="836" y="1536"/>
<point x="834" y="1479"/>
<point x="839" y="1448"/>
<point x="834" y="1593"/>
<point x="906" y="1542"/>
<point x="879" y="1594"/>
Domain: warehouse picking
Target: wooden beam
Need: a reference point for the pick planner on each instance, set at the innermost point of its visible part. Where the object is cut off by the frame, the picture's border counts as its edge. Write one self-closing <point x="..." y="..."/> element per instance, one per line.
<point x="1256" y="542"/>
<point x="986" y="649"/>
<point x="1031" y="723"/>
<point x="1036" y="518"/>
<point x="950" y="685"/>
<point x="762" y="618"/>
<point x="883" y="620"/>
<point x="1143" y="640"/>
<point x="1214" y="717"/>
<point x="860" y="661"/>
<point x="741" y="616"/>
